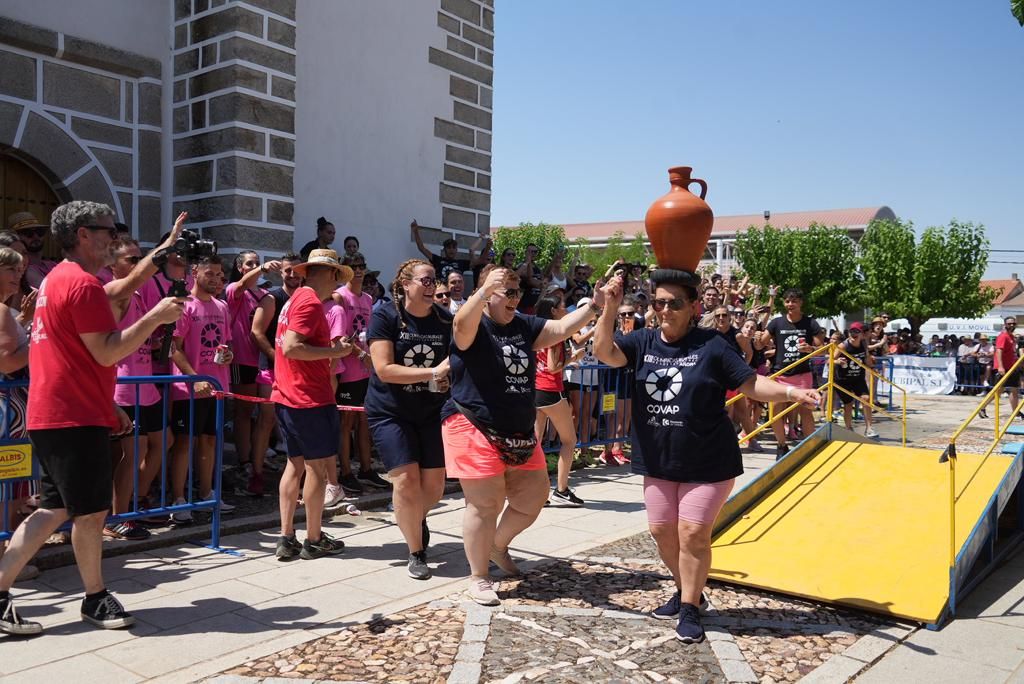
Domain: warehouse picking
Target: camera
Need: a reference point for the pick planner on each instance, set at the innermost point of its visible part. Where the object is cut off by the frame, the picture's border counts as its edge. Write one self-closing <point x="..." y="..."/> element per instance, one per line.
<point x="191" y="247"/>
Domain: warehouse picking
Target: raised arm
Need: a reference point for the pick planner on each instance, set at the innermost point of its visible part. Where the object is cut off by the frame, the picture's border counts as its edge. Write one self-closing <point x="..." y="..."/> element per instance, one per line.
<point x="558" y="331"/>
<point x="605" y="348"/>
<point x="252" y="276"/>
<point x="122" y="288"/>
<point x="419" y="240"/>
<point x="109" y="348"/>
<point x="467" y="318"/>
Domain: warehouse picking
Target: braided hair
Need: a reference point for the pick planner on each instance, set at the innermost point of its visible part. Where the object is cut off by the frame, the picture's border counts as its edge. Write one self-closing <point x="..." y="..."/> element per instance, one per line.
<point x="404" y="272"/>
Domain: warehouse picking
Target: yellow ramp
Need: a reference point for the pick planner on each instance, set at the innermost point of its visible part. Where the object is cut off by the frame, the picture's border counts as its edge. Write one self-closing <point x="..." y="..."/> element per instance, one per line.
<point x="862" y="525"/>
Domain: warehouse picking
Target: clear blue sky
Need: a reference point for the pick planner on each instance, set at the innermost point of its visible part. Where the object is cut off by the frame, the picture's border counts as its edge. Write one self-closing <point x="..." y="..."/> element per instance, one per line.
<point x="784" y="106"/>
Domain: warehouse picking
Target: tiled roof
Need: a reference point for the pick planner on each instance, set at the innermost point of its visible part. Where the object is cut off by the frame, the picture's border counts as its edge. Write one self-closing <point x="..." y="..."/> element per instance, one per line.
<point x="728" y="226"/>
<point x="1014" y="302"/>
<point x="1008" y="289"/>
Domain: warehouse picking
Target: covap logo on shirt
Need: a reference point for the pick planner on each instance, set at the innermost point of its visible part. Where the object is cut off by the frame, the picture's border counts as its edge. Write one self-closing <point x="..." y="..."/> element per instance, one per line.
<point x="515" y="359"/>
<point x="663" y="384"/>
<point x="418" y="356"/>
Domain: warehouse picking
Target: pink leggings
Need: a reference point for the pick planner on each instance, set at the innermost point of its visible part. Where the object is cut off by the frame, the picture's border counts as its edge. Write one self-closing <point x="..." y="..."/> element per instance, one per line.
<point x="669" y="501"/>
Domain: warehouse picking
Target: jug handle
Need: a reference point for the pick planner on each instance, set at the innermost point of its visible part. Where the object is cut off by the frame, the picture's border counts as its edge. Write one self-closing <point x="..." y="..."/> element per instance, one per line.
<point x="703" y="186"/>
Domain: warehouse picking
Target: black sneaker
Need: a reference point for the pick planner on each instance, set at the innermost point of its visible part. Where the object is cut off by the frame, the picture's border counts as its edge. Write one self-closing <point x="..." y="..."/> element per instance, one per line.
<point x="107" y="612"/>
<point x="689" y="630"/>
<point x="567" y="498"/>
<point x="781" y="451"/>
<point x="426" y="535"/>
<point x="12" y="623"/>
<point x="418" y="568"/>
<point x="350" y="485"/>
<point x="670" y="610"/>
<point x="129" y="530"/>
<point x="372" y="479"/>
<point x="287" y="548"/>
<point x="325" y="546"/>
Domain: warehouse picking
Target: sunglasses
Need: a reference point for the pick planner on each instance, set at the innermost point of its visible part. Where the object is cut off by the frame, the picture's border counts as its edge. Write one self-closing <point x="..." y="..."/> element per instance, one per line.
<point x="426" y="281"/>
<point x="725" y="315"/>
<point x="855" y="332"/>
<point x="111" y="230"/>
<point x="133" y="259"/>
<point x="361" y="266"/>
<point x="673" y="304"/>
<point x="442" y="295"/>
<point x="39" y="231"/>
<point x="512" y="292"/>
<point x="627" y="314"/>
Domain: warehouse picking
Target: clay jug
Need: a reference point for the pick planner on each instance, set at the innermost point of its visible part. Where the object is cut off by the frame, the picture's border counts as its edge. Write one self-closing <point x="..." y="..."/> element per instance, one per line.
<point x="679" y="223"/>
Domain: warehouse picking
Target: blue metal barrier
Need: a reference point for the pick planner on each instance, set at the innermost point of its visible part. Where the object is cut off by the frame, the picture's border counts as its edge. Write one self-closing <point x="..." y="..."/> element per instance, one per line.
<point x="8" y="484"/>
<point x="599" y="404"/>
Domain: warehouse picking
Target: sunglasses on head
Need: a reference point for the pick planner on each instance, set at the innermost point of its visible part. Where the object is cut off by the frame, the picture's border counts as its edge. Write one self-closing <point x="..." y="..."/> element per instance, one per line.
<point x="38" y="231"/>
<point x="674" y="304"/>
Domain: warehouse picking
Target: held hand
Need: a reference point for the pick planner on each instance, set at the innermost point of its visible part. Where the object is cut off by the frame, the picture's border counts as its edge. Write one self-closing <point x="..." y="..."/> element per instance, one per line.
<point x="495" y="281"/>
<point x="229" y="356"/>
<point x="203" y="389"/>
<point x="272" y="267"/>
<point x="367" y="361"/>
<point x="804" y="348"/>
<point x="612" y="292"/>
<point x="124" y="422"/>
<point x="340" y="347"/>
<point x="415" y="228"/>
<point x="442" y="369"/>
<point x="809" y="398"/>
<point x="169" y="309"/>
<point x="28" y="307"/>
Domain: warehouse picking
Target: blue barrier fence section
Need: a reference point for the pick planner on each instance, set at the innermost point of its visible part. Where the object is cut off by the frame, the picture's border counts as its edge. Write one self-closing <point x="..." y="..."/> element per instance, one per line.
<point x="19" y="472"/>
<point x="974" y="377"/>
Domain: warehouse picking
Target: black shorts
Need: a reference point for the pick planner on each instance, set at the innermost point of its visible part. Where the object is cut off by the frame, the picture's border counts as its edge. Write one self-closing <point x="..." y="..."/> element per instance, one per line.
<point x="1012" y="381"/>
<point x="543" y="398"/>
<point x="243" y="375"/>
<point x="205" y="414"/>
<point x="76" y="466"/>
<point x="401" y="442"/>
<point x="311" y="433"/>
<point x="855" y="386"/>
<point x="352" y="393"/>
<point x="571" y="386"/>
<point x="149" y="418"/>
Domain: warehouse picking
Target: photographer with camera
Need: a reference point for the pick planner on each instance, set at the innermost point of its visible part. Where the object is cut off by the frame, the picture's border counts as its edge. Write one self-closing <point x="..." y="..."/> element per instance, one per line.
<point x="74" y="346"/>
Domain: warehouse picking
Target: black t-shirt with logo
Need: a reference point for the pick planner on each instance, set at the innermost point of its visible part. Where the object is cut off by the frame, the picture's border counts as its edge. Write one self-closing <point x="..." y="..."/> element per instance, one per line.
<point x="681" y="431"/>
<point x="852" y="371"/>
<point x="443" y="266"/>
<point x="422" y="343"/>
<point x="494" y="377"/>
<point x="530" y="294"/>
<point x="786" y="336"/>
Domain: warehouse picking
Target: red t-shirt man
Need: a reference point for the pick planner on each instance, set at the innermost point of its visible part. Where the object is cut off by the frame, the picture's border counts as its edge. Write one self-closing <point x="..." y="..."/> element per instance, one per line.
<point x="1006" y="346"/>
<point x="69" y="389"/>
<point x="302" y="384"/>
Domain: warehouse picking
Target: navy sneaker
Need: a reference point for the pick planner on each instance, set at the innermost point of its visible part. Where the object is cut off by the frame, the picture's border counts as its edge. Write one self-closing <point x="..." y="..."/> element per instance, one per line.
<point x="689" y="630"/>
<point x="670" y="610"/>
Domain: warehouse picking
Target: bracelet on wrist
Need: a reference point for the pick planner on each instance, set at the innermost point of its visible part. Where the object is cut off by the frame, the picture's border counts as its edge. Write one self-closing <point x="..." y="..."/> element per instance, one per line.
<point x="789" y="394"/>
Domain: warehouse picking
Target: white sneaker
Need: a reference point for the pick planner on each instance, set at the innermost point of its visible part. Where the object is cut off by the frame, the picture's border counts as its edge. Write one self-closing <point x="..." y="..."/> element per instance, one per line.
<point x="225" y="507"/>
<point x="181" y="517"/>
<point x="481" y="590"/>
<point x="333" y="496"/>
<point x="870" y="432"/>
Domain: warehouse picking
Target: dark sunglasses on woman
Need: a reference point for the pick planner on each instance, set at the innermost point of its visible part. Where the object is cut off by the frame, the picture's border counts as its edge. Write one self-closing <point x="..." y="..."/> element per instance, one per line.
<point x="673" y="304"/>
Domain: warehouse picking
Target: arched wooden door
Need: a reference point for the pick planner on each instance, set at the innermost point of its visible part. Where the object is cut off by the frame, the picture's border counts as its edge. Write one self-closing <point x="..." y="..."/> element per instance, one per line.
<point x="22" y="189"/>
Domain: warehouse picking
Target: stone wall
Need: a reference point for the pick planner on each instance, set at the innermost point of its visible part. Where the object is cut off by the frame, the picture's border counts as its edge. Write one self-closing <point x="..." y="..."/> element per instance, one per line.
<point x="234" y="121"/>
<point x="468" y="57"/>
<point x="86" y="116"/>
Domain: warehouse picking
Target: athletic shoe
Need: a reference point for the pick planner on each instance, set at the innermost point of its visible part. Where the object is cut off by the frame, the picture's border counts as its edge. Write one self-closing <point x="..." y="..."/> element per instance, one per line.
<point x="689" y="629"/>
<point x="129" y="530"/>
<point x="325" y="546"/>
<point x="225" y="507"/>
<point x="418" y="568"/>
<point x="670" y="610"/>
<point x="754" y="446"/>
<point x="255" y="486"/>
<point x="287" y="548"/>
<point x="350" y="485"/>
<point x="372" y="479"/>
<point x="606" y="458"/>
<point x="333" y="496"/>
<point x="567" y="498"/>
<point x="12" y="623"/>
<point x="620" y="457"/>
<point x="781" y="451"/>
<point x="426" y="535"/>
<point x="504" y="561"/>
<point x="181" y="517"/>
<point x="870" y="432"/>
<point x="106" y="612"/>
<point x="982" y="414"/>
<point x="481" y="590"/>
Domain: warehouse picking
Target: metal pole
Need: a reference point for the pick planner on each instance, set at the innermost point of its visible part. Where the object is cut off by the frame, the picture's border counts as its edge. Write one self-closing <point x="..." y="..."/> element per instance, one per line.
<point x="831" y="381"/>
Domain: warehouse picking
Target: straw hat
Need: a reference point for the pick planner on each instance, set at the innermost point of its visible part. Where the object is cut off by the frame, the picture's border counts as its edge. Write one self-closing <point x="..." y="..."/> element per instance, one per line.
<point x="325" y="257"/>
<point x="22" y="220"/>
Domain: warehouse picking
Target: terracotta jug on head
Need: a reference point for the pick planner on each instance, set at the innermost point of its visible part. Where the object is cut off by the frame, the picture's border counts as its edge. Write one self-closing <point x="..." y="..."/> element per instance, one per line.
<point x="679" y="223"/>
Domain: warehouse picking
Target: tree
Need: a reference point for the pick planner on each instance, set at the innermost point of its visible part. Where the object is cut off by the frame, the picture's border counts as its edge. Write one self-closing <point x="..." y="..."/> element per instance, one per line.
<point x="549" y="237"/>
<point x="1017" y="7"/>
<point x="938" y="276"/>
<point x="820" y="260"/>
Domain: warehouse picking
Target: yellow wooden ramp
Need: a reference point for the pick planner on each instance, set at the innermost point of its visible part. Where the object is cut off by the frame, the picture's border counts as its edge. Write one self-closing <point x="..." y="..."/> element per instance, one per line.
<point x="862" y="525"/>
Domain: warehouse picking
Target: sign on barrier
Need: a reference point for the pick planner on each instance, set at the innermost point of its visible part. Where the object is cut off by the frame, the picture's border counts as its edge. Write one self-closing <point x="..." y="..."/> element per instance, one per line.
<point x="608" y="403"/>
<point x="15" y="461"/>
<point x="924" y="374"/>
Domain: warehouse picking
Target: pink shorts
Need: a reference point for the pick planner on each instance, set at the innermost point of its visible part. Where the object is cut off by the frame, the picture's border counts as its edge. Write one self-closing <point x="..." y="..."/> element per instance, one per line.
<point x="265" y="377"/>
<point x="800" y="381"/>
<point x="668" y="502"/>
<point x="468" y="455"/>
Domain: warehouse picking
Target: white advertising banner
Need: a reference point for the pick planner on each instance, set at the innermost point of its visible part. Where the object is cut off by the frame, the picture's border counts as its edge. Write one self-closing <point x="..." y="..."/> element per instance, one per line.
<point x="924" y="374"/>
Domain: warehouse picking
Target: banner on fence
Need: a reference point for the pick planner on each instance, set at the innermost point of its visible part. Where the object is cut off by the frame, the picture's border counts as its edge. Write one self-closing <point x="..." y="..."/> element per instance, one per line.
<point x="15" y="461"/>
<point x="924" y="374"/>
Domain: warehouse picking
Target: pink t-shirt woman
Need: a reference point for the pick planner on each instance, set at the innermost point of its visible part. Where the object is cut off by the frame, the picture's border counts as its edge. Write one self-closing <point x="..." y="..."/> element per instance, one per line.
<point x="358" y="310"/>
<point x="138" y="363"/>
<point x="242" y="306"/>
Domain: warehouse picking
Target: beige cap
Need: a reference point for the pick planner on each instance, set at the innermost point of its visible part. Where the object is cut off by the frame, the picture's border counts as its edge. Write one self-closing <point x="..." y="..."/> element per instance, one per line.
<point x="325" y="257"/>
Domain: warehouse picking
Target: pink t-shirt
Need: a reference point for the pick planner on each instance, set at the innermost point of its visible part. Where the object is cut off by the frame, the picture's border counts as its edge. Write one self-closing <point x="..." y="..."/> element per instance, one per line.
<point x="337" y="323"/>
<point x="203" y="327"/>
<point x="242" y="306"/>
<point x="152" y="291"/>
<point x="357" y="316"/>
<point x="138" y="363"/>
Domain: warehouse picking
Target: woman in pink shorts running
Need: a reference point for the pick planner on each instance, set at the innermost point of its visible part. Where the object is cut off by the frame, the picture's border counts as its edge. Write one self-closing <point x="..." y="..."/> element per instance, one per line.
<point x="488" y="424"/>
<point x="683" y="440"/>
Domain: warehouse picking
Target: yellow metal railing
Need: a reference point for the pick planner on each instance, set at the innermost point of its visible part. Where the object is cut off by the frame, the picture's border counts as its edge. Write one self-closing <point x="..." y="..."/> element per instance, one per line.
<point x="829" y="386"/>
<point x="999" y="431"/>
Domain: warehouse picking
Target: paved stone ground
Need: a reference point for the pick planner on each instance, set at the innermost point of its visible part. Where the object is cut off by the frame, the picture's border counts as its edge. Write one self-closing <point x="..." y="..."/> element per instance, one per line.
<point x="585" y="619"/>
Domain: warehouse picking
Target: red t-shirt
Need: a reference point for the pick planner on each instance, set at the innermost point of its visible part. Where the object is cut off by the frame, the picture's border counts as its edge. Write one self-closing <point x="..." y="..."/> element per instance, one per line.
<point x="1007" y="347"/>
<point x="69" y="388"/>
<point x="302" y="384"/>
<point x="550" y="381"/>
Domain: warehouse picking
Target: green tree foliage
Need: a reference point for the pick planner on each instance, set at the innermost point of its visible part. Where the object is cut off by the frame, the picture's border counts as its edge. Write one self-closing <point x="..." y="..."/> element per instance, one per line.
<point x="821" y="261"/>
<point x="1017" y="7"/>
<point x="936" y="276"/>
<point x="549" y="237"/>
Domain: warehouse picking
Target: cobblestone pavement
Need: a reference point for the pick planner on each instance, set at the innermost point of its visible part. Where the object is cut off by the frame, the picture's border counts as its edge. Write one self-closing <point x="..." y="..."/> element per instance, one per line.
<point x="585" y="619"/>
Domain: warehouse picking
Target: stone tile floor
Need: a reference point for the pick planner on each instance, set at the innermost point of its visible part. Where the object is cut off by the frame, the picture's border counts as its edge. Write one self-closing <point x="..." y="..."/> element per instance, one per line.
<point x="585" y="619"/>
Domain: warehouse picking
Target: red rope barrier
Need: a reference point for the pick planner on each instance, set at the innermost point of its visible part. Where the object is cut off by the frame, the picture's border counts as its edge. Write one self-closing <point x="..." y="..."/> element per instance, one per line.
<point x="264" y="400"/>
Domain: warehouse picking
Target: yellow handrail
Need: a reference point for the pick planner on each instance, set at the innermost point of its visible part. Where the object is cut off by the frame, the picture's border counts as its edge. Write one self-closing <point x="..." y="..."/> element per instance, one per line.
<point x="871" y="390"/>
